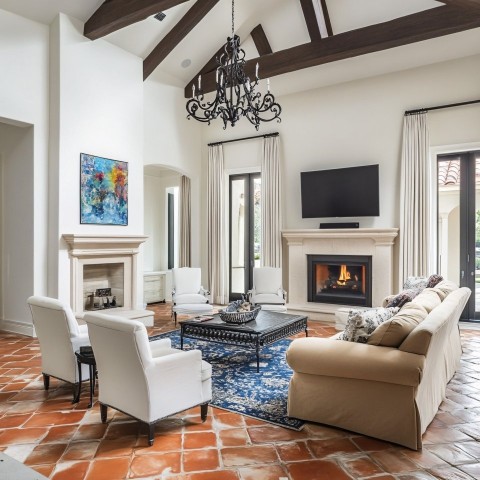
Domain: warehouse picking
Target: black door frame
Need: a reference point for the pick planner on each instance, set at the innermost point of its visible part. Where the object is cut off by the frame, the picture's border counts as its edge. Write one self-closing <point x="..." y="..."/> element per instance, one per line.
<point x="249" y="250"/>
<point x="467" y="226"/>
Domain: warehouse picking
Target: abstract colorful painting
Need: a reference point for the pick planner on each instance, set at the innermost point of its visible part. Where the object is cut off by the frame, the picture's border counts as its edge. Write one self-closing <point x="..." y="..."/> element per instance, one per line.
<point x="103" y="191"/>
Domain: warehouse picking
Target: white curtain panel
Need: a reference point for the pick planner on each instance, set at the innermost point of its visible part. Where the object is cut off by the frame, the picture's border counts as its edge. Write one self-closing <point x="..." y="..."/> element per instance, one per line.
<point x="414" y="198"/>
<point x="271" y="254"/>
<point x="185" y="259"/>
<point x="217" y="258"/>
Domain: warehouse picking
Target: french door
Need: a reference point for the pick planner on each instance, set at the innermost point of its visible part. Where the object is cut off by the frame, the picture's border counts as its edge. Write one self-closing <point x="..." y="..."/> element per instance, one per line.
<point x="244" y="231"/>
<point x="459" y="224"/>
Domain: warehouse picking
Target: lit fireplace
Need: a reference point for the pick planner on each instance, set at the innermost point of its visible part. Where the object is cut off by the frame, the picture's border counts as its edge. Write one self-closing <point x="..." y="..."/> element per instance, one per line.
<point x="341" y="279"/>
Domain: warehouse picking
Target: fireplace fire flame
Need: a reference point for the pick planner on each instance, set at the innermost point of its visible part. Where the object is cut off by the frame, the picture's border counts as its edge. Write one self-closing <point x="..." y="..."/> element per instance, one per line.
<point x="344" y="275"/>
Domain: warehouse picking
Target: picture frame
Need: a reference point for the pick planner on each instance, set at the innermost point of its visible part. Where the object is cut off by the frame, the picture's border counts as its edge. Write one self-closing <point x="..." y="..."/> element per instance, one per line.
<point x="103" y="191"/>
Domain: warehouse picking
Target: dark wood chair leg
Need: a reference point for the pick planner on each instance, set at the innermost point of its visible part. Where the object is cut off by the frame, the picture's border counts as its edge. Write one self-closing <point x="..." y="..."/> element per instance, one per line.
<point x="203" y="411"/>
<point x="46" y="381"/>
<point x="103" y="413"/>
<point x="77" y="388"/>
<point x="151" y="433"/>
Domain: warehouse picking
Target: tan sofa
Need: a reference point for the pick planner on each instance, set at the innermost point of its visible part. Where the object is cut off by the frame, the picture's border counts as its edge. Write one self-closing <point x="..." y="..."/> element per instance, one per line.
<point x="388" y="393"/>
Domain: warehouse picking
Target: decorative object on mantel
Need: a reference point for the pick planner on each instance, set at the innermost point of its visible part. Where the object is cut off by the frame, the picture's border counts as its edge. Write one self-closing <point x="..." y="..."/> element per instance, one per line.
<point x="103" y="191"/>
<point x="235" y="94"/>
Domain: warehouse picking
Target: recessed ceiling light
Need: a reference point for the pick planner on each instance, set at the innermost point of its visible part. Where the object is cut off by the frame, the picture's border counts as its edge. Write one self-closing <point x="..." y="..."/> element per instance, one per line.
<point x="186" y="63"/>
<point x="160" y="16"/>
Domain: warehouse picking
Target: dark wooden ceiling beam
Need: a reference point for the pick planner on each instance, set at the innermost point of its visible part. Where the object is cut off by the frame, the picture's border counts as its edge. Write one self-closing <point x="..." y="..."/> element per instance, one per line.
<point x="425" y="25"/>
<point x="113" y="15"/>
<point x="196" y="13"/>
<point x="261" y="41"/>
<point x="311" y="20"/>
<point x="326" y="17"/>
<point x="472" y="4"/>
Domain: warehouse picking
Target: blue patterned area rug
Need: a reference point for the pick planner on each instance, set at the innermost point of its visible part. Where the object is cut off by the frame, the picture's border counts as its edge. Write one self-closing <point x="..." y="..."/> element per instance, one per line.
<point x="236" y="385"/>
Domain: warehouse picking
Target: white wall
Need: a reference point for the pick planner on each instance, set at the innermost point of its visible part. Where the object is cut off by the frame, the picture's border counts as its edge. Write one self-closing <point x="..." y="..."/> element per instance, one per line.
<point x="17" y="200"/>
<point x="97" y="108"/>
<point x="24" y="59"/>
<point x="360" y="123"/>
<point x="170" y="140"/>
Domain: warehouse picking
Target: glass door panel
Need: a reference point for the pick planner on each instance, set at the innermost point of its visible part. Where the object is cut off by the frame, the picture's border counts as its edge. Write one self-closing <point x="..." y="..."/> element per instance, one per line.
<point x="476" y="292"/>
<point x="459" y="224"/>
<point x="257" y="221"/>
<point x="449" y="218"/>
<point x="245" y="231"/>
<point x="237" y="235"/>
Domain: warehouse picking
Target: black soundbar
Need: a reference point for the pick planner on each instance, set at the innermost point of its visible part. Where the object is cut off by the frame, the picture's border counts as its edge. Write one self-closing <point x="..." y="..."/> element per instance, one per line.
<point x="340" y="225"/>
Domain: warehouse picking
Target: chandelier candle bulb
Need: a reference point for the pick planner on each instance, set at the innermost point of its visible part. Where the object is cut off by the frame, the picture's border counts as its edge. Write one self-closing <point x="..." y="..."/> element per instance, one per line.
<point x="268" y="85"/>
<point x="216" y="76"/>
<point x="256" y="71"/>
<point x="199" y="82"/>
<point x="193" y="90"/>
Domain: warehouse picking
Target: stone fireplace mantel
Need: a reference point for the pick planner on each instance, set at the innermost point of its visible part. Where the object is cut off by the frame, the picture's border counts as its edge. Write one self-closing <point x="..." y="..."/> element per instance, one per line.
<point x="375" y="242"/>
<point x="81" y="244"/>
<point x="87" y="250"/>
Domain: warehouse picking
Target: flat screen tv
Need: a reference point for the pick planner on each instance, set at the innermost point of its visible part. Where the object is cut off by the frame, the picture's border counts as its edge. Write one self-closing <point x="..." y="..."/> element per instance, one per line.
<point x="341" y="192"/>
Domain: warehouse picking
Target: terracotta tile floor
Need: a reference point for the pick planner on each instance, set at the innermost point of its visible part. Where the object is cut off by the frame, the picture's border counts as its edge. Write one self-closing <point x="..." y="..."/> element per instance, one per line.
<point x="68" y="442"/>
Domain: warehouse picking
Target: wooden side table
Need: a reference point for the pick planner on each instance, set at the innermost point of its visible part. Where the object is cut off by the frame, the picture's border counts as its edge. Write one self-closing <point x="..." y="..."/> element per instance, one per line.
<point x="87" y="359"/>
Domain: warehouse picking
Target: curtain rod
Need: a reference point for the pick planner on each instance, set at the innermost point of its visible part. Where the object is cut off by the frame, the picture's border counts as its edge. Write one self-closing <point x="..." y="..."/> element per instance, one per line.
<point x="274" y="134"/>
<point x="440" y="107"/>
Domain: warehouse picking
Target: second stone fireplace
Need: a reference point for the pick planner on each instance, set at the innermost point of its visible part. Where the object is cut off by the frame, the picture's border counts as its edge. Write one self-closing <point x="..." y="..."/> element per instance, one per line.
<point x="340" y="279"/>
<point x="104" y="275"/>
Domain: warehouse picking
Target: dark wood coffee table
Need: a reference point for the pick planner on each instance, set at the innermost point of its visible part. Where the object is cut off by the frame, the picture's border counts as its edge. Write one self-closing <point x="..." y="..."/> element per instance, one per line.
<point x="266" y="329"/>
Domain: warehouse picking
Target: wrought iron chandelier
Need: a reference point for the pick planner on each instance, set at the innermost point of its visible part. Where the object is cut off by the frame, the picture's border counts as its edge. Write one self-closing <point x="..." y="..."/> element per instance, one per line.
<point x="235" y="95"/>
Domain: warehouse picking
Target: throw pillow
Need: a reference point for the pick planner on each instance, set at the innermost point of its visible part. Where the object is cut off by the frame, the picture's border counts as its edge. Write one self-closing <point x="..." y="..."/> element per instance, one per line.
<point x="394" y="331"/>
<point x="362" y="323"/>
<point x="403" y="297"/>
<point x="417" y="283"/>
<point x="434" y="280"/>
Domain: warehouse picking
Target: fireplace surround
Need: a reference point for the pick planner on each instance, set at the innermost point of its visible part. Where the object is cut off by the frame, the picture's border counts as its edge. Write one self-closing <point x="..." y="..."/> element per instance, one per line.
<point x="377" y="243"/>
<point x="106" y="263"/>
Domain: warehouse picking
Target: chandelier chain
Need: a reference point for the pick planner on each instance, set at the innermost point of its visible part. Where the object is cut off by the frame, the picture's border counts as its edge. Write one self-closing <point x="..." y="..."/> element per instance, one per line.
<point x="233" y="18"/>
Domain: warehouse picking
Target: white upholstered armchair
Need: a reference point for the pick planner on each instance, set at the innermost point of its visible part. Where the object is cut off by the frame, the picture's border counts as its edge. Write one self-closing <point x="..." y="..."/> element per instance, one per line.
<point x="146" y="380"/>
<point x="188" y="295"/>
<point x="59" y="335"/>
<point x="267" y="289"/>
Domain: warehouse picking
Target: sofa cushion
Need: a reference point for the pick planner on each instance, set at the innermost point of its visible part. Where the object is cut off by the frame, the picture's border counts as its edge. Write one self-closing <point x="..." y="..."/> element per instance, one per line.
<point x="449" y="310"/>
<point x="394" y="331"/>
<point x="428" y="299"/>
<point x="362" y="323"/>
<point x="402" y="298"/>
<point x="445" y="288"/>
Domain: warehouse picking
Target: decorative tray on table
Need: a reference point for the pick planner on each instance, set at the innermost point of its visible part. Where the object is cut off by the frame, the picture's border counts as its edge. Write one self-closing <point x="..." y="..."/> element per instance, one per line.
<point x="238" y="312"/>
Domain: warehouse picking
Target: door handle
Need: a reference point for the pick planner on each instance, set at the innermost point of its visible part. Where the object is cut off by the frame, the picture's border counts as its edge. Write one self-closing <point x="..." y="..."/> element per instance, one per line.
<point x="462" y="274"/>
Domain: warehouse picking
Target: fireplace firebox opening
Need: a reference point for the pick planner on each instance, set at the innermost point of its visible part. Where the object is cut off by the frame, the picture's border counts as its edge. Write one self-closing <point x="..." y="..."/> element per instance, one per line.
<point x="340" y="279"/>
<point x="103" y="286"/>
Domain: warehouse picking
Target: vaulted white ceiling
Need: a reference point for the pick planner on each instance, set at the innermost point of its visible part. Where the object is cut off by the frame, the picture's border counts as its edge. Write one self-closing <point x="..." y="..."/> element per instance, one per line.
<point x="285" y="27"/>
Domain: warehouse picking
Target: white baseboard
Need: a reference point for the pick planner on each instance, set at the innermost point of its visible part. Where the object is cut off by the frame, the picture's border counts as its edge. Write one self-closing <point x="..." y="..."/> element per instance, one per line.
<point x="15" y="326"/>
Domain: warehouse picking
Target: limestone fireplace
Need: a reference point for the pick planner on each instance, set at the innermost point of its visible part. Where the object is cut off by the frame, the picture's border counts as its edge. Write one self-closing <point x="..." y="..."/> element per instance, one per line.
<point x="376" y="245"/>
<point x="103" y="267"/>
